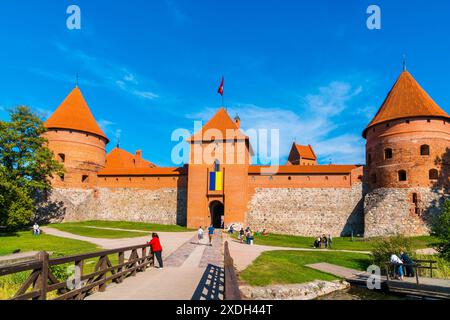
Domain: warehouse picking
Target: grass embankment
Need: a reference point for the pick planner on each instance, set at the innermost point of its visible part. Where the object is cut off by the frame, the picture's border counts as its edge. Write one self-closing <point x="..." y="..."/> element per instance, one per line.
<point x="25" y="241"/>
<point x="285" y="267"/>
<point x="93" y="228"/>
<point x="357" y="244"/>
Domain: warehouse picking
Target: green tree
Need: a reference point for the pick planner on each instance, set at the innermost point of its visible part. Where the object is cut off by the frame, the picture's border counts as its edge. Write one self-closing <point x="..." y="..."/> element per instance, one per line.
<point x="16" y="207"/>
<point x="441" y="229"/>
<point x="24" y="156"/>
<point x="26" y="167"/>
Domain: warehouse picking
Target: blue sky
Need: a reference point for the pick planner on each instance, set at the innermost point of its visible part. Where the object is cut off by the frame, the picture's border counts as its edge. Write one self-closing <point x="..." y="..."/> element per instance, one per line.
<point x="147" y="67"/>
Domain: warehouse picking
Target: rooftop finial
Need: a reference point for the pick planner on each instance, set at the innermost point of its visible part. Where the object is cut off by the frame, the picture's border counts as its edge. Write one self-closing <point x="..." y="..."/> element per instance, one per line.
<point x="76" y="80"/>
<point x="404" y="62"/>
<point x="118" y="133"/>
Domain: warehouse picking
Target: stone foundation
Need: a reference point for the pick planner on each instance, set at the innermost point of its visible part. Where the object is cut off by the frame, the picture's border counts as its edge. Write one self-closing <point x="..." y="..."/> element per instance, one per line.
<point x="304" y="291"/>
<point x="398" y="211"/>
<point x="163" y="206"/>
<point x="308" y="211"/>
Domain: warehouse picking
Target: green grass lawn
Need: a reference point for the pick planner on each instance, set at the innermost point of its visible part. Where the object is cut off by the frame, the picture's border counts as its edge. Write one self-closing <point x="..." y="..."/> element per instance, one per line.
<point x="80" y="228"/>
<point x="358" y="244"/>
<point x="288" y="267"/>
<point x="25" y="241"/>
<point x="96" y="233"/>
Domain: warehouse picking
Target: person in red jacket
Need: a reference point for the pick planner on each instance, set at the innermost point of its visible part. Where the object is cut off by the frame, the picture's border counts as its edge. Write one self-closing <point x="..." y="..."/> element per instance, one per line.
<point x="157" y="249"/>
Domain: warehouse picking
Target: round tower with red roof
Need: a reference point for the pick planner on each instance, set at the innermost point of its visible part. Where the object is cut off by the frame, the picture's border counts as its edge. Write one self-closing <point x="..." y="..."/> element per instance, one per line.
<point x="77" y="141"/>
<point x="408" y="159"/>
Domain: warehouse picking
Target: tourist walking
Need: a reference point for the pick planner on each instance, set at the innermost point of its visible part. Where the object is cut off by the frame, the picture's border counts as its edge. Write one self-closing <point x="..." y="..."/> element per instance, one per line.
<point x="241" y="235"/>
<point x="398" y="266"/>
<point x="156" y="248"/>
<point x="211" y="230"/>
<point x="330" y="241"/>
<point x="200" y="233"/>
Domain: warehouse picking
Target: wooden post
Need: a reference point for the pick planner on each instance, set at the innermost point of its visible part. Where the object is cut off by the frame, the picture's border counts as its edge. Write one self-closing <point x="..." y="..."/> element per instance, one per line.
<point x="102" y="267"/>
<point x="121" y="261"/>
<point x="417" y="273"/>
<point x="41" y="283"/>
<point x="144" y="258"/>
<point x="431" y="269"/>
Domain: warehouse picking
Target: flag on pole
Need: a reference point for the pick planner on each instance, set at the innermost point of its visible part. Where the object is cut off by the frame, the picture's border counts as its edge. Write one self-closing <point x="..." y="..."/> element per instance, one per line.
<point x="220" y="91"/>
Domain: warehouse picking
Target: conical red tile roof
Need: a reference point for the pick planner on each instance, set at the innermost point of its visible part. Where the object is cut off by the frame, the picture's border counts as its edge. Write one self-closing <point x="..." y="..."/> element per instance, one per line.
<point x="74" y="114"/>
<point x="121" y="159"/>
<point x="222" y="122"/>
<point x="407" y="99"/>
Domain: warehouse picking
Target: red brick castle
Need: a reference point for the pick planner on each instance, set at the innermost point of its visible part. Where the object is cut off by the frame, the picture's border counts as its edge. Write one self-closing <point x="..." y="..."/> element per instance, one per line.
<point x="400" y="189"/>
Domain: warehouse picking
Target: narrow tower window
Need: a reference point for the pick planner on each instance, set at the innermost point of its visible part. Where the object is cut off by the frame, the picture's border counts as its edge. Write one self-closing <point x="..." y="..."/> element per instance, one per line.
<point x="402" y="176"/>
<point x="374" y="178"/>
<point x="388" y="153"/>
<point x="61" y="157"/>
<point x="415" y="200"/>
<point x="425" y="150"/>
<point x="85" y="179"/>
<point x="434" y="174"/>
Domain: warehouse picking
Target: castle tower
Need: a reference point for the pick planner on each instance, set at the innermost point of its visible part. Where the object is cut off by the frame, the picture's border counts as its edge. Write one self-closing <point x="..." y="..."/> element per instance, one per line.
<point x="77" y="141"/>
<point x="408" y="159"/>
<point x="218" y="169"/>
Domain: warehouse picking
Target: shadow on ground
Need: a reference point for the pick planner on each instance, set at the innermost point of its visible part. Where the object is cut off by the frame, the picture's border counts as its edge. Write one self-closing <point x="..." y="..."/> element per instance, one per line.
<point x="211" y="285"/>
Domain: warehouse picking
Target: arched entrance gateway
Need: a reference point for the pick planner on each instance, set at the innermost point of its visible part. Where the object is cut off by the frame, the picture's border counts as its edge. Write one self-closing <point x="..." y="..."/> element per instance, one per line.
<point x="216" y="210"/>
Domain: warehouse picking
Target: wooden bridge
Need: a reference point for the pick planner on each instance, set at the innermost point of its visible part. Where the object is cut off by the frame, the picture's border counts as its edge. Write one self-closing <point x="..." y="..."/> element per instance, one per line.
<point x="423" y="287"/>
<point x="119" y="267"/>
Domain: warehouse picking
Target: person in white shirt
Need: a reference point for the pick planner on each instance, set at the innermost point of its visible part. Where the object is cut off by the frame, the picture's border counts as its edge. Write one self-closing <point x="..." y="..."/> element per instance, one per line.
<point x="36" y="230"/>
<point x="398" y="266"/>
<point x="200" y="233"/>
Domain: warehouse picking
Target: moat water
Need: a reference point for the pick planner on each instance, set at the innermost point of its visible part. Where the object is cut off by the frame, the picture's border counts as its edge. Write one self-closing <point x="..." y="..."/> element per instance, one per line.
<point x="357" y="293"/>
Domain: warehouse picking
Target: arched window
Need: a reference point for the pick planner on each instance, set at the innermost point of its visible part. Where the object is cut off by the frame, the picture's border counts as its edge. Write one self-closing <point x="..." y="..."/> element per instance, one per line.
<point x="217" y="166"/>
<point x="434" y="174"/>
<point x="425" y="150"/>
<point x="61" y="157"/>
<point x="402" y="176"/>
<point x="387" y="153"/>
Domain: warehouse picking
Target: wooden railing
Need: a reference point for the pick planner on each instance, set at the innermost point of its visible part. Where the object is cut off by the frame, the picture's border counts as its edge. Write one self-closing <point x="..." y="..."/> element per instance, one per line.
<point x="42" y="281"/>
<point x="231" y="283"/>
<point x="417" y="266"/>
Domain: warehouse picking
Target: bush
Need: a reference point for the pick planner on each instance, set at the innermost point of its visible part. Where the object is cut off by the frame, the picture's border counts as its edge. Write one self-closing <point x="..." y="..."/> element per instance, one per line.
<point x="441" y="229"/>
<point x="387" y="246"/>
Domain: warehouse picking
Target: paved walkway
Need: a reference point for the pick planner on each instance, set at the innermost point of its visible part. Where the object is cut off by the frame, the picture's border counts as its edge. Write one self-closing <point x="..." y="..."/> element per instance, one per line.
<point x="171" y="240"/>
<point x="193" y="271"/>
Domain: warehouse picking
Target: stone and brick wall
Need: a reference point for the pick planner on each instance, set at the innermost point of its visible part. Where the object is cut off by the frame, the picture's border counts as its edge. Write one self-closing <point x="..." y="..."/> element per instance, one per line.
<point x="308" y="211"/>
<point x="163" y="206"/>
<point x="406" y="211"/>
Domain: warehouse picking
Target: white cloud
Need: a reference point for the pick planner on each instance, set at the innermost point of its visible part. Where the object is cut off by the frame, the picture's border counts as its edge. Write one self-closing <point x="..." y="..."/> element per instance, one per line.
<point x="315" y="123"/>
<point x="105" y="125"/>
<point x="105" y="73"/>
<point x="146" y="95"/>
